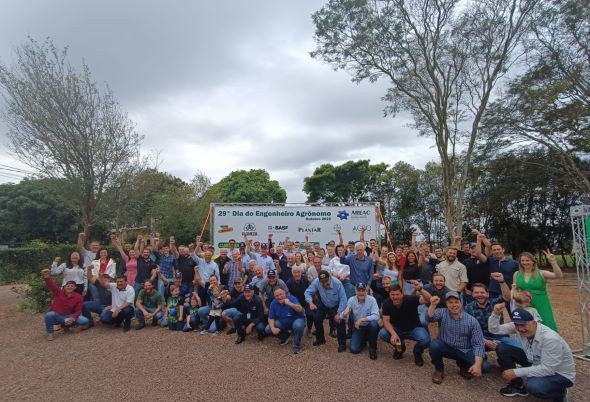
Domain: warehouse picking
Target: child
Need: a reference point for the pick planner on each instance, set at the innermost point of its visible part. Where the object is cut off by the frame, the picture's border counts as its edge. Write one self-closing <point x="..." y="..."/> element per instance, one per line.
<point x="522" y="299"/>
<point x="215" y="312"/>
<point x="192" y="314"/>
<point x="174" y="309"/>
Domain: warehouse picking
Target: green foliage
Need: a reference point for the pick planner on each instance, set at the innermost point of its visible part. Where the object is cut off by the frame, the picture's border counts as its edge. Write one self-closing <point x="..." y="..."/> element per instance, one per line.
<point x="253" y="186"/>
<point x="349" y="183"/>
<point x="37" y="297"/>
<point x="36" y="209"/>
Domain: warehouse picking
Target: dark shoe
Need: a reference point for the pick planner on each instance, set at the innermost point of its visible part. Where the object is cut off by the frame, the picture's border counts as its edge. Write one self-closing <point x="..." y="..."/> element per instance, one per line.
<point x="464" y="372"/>
<point x="319" y="342"/>
<point x="398" y="352"/>
<point x="126" y="327"/>
<point x="284" y="341"/>
<point x="240" y="339"/>
<point x="341" y="348"/>
<point x="437" y="377"/>
<point x="231" y="331"/>
<point x="418" y="359"/>
<point x="296" y="351"/>
<point x="260" y="336"/>
<point x="514" y="390"/>
<point x="333" y="332"/>
<point x="139" y="325"/>
<point x="373" y="354"/>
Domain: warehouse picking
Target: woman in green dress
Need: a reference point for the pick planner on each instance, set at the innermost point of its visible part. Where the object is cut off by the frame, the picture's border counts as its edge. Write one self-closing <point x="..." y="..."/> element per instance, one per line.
<point x="530" y="277"/>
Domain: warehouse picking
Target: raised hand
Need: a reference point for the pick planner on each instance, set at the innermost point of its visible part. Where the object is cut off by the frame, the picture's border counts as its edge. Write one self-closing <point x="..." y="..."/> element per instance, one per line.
<point x="550" y="256"/>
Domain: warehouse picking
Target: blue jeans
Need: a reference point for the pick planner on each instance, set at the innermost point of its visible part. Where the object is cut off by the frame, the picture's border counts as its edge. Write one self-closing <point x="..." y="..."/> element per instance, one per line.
<point x="230" y="313"/>
<point x="137" y="287"/>
<point x="366" y="333"/>
<point x="157" y="318"/>
<point x="162" y="286"/>
<point x="418" y="334"/>
<point x="439" y="349"/>
<point x="241" y="322"/>
<point x="296" y="329"/>
<point x="193" y="320"/>
<point x="52" y="318"/>
<point x="348" y="288"/>
<point x="204" y="317"/>
<point x="93" y="290"/>
<point x="423" y="314"/>
<point x="106" y="317"/>
<point x="92" y="307"/>
<point x="550" y="387"/>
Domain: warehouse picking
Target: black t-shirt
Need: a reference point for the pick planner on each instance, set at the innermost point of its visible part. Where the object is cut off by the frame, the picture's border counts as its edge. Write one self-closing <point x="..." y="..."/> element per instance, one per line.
<point x="411" y="272"/>
<point x="186" y="265"/>
<point x="477" y="271"/>
<point x="220" y="261"/>
<point x="298" y="289"/>
<point x="144" y="270"/>
<point x="428" y="269"/>
<point x="405" y="317"/>
<point x="441" y="294"/>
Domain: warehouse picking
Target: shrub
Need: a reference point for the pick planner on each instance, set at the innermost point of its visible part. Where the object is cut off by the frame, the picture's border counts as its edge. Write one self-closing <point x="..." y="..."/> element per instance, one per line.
<point x="37" y="297"/>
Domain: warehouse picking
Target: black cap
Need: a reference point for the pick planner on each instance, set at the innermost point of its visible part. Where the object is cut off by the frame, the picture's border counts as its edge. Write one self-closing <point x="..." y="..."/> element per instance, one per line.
<point x="323" y="275"/>
<point x="249" y="287"/>
<point x="271" y="272"/>
<point x="263" y="245"/>
<point x="242" y="245"/>
<point x="521" y="316"/>
<point x="360" y="286"/>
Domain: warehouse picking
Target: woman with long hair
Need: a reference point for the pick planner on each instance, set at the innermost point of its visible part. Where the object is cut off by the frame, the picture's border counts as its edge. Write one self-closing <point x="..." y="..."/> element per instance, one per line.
<point x="411" y="271"/>
<point x="71" y="271"/>
<point x="392" y="270"/>
<point x="102" y="264"/>
<point x="299" y="263"/>
<point x="529" y="277"/>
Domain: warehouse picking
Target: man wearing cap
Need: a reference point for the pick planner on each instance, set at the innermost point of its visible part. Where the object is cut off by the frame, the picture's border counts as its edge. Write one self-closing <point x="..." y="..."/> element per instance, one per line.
<point x="234" y="269"/>
<point x="401" y="321"/>
<point x="250" y="314"/>
<point x="364" y="313"/>
<point x="545" y="358"/>
<point x="229" y="313"/>
<point x="286" y="314"/>
<point x="331" y="303"/>
<point x="267" y="286"/>
<point x="460" y="338"/>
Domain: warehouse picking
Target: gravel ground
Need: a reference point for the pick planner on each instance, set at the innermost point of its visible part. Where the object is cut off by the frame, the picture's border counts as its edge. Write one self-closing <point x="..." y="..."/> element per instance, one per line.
<point x="156" y="364"/>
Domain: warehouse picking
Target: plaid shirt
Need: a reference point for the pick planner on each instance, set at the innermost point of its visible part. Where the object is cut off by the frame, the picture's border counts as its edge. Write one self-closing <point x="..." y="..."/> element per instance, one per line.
<point x="463" y="333"/>
<point x="166" y="262"/>
<point x="481" y="314"/>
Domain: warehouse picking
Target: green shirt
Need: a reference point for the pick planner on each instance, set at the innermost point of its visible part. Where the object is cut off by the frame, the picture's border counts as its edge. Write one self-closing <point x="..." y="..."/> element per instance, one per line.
<point x="152" y="301"/>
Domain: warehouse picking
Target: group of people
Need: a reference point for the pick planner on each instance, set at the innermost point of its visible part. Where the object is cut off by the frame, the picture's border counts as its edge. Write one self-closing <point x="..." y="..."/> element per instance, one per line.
<point x="365" y="291"/>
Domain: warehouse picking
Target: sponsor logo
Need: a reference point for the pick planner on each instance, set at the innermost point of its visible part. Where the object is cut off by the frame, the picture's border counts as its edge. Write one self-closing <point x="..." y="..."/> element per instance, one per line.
<point x="309" y="229"/>
<point x="365" y="212"/>
<point x="225" y="229"/>
<point x="249" y="227"/>
<point x="357" y="228"/>
<point x="278" y="227"/>
<point x="342" y="215"/>
<point x="337" y="227"/>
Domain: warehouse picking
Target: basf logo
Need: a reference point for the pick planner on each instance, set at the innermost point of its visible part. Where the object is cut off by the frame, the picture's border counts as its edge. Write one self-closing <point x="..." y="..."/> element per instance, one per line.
<point x="277" y="228"/>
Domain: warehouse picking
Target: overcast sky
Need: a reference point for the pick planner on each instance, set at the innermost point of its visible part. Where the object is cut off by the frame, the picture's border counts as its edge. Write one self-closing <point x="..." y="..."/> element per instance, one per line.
<point x="219" y="86"/>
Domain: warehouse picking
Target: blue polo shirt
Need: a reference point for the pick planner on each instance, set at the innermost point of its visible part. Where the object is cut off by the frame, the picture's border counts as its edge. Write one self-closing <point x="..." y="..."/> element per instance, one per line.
<point x="507" y="267"/>
<point x="361" y="271"/>
<point x="283" y="313"/>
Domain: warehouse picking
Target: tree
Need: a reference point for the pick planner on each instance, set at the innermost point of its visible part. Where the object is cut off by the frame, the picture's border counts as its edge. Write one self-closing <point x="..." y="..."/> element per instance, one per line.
<point x="62" y="125"/>
<point x="36" y="210"/>
<point x="200" y="184"/>
<point x="549" y="105"/>
<point x="253" y="186"/>
<point x="443" y="61"/>
<point x="350" y="183"/>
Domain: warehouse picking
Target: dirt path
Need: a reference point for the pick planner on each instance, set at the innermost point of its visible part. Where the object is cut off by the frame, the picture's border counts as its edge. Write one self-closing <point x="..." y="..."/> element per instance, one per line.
<point x="156" y="364"/>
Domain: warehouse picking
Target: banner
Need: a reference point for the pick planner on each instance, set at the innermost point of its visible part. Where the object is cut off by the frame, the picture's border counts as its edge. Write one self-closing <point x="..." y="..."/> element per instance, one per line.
<point x="320" y="223"/>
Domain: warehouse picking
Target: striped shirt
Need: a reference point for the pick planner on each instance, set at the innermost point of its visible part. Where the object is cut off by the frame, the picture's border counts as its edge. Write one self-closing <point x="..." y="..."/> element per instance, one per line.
<point x="463" y="333"/>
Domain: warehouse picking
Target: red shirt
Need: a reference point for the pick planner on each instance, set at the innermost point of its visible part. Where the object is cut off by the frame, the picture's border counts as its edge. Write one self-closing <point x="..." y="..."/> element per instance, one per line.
<point x="62" y="304"/>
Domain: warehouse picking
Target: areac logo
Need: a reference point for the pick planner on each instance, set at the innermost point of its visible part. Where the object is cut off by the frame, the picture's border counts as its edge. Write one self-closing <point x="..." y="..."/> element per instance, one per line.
<point x="249" y="227"/>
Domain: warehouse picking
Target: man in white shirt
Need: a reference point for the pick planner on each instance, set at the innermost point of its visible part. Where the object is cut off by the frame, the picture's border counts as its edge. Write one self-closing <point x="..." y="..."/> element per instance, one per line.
<point x="121" y="310"/>
<point x="545" y="359"/>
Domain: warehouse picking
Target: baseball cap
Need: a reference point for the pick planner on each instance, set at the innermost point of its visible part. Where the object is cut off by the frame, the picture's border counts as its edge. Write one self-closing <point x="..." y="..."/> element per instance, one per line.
<point x="271" y="272"/>
<point x="452" y="293"/>
<point x="323" y="275"/>
<point x="242" y="245"/>
<point x="178" y="274"/>
<point x="238" y="280"/>
<point x="351" y="242"/>
<point x="360" y="286"/>
<point x="263" y="245"/>
<point x="248" y="287"/>
<point x="521" y="316"/>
